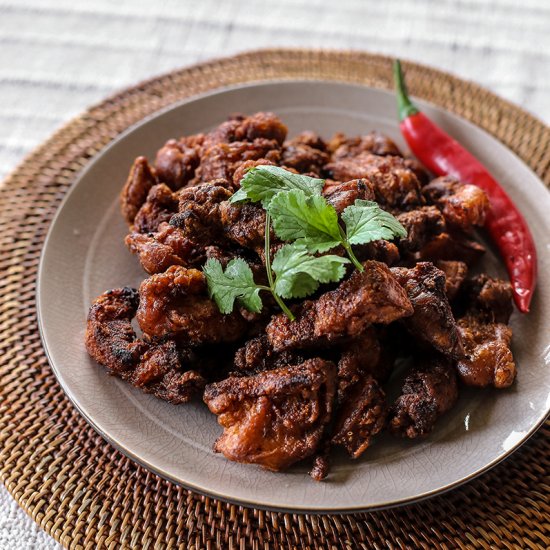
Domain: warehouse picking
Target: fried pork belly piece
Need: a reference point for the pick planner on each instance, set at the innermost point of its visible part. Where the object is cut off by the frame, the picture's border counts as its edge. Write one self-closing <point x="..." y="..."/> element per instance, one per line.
<point x="360" y="417"/>
<point x="134" y="193"/>
<point x="160" y="372"/>
<point x="245" y="225"/>
<point x="168" y="246"/>
<point x="361" y="358"/>
<point x="376" y="143"/>
<point x="489" y="360"/>
<point x="432" y="321"/>
<point x="381" y="251"/>
<point x="199" y="211"/>
<point x="175" y="305"/>
<point x="429" y="390"/>
<point x="160" y="206"/>
<point x="177" y="161"/>
<point x="206" y="217"/>
<point x="395" y="186"/>
<point x="305" y="153"/>
<point x="422" y="225"/>
<point x="321" y="463"/>
<point x="342" y="195"/>
<point x="243" y="168"/>
<point x="262" y="125"/>
<point x="110" y="338"/>
<point x="373" y="296"/>
<point x="362" y="408"/>
<point x="451" y="246"/>
<point x="419" y="171"/>
<point x="239" y="140"/>
<point x="156" y="368"/>
<point x="257" y="355"/>
<point x="274" y="418"/>
<point x="311" y="139"/>
<point x="463" y="205"/>
<point x="489" y="299"/>
<point x="455" y="274"/>
<point x="223" y="159"/>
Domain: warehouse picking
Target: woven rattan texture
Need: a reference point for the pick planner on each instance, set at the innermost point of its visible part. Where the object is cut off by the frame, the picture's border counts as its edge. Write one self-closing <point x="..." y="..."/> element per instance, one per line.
<point x="88" y="495"/>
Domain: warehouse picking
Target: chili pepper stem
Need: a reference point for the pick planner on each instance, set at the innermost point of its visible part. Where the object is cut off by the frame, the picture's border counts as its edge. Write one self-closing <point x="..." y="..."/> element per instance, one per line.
<point x="278" y="299"/>
<point x="405" y="106"/>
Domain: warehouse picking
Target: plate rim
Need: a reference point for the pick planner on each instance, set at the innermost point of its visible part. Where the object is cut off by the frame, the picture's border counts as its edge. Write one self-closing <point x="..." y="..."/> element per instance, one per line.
<point x="301" y="509"/>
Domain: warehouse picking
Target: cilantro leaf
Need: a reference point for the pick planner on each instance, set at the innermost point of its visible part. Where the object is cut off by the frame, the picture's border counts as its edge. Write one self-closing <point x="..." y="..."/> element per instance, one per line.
<point x="311" y="221"/>
<point x="262" y="183"/>
<point x="299" y="273"/>
<point x="366" y="221"/>
<point x="239" y="196"/>
<point x="237" y="283"/>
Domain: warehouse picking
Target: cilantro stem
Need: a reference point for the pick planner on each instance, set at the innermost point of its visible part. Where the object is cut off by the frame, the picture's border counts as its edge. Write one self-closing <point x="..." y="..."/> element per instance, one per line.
<point x="278" y="299"/>
<point x="347" y="247"/>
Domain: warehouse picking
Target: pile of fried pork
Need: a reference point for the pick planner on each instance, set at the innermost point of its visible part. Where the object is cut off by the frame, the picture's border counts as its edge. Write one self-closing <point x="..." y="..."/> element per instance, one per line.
<point x="288" y="390"/>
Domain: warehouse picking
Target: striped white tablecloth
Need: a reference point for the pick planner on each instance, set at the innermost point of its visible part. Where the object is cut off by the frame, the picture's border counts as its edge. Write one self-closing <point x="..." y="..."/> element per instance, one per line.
<point x="59" y="56"/>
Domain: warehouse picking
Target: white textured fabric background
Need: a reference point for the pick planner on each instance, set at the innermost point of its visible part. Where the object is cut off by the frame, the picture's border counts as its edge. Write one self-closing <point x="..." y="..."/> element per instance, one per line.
<point x="59" y="56"/>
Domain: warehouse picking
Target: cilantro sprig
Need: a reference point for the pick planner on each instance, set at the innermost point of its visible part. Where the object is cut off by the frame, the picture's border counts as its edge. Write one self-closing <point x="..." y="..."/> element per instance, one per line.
<point x="294" y="273"/>
<point x="302" y="216"/>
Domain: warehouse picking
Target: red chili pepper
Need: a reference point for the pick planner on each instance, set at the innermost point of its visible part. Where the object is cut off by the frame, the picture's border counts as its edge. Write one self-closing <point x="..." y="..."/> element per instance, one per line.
<point x="505" y="224"/>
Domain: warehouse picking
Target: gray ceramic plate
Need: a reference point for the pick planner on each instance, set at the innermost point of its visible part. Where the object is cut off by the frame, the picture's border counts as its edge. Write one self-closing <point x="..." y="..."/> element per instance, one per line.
<point x="85" y="255"/>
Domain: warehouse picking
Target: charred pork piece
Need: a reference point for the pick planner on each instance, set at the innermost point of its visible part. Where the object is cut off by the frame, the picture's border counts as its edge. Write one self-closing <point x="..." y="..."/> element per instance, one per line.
<point x="244" y="225"/>
<point x="376" y="143"/>
<point x="110" y="338"/>
<point x="178" y="160"/>
<point x="160" y="372"/>
<point x="360" y="358"/>
<point x="274" y="418"/>
<point x="362" y="408"/>
<point x="257" y="355"/>
<point x="429" y="390"/>
<point x="463" y="205"/>
<point x="432" y="321"/>
<point x="487" y="338"/>
<point x="488" y="298"/>
<point x="134" y="193"/>
<point x="305" y="153"/>
<point x="155" y="368"/>
<point x="360" y="417"/>
<point x="455" y="275"/>
<point x="198" y="215"/>
<point x="395" y="186"/>
<point x="175" y="305"/>
<point x="373" y="296"/>
<point x="160" y="206"/>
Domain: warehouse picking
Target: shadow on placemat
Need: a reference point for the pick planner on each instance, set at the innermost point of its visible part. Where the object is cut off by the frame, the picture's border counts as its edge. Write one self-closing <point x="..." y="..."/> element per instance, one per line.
<point x="88" y="495"/>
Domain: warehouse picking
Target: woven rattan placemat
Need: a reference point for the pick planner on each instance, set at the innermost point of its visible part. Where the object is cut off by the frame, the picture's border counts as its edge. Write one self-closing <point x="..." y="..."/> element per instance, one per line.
<point x="88" y="495"/>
